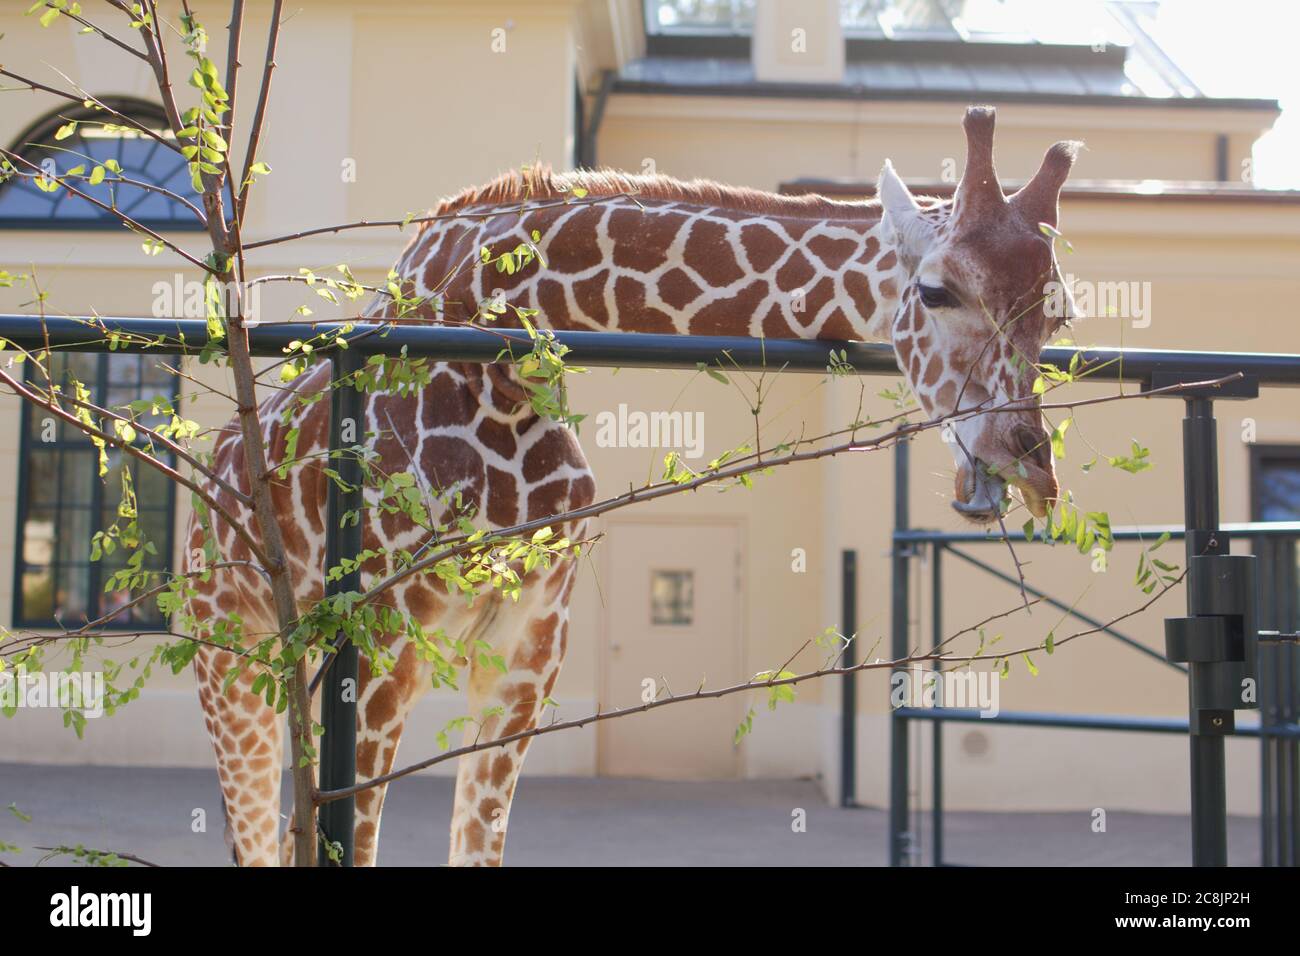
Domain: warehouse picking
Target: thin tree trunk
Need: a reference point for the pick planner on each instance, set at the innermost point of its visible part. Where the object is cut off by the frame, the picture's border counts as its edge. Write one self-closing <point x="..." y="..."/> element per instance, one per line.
<point x="286" y="606"/>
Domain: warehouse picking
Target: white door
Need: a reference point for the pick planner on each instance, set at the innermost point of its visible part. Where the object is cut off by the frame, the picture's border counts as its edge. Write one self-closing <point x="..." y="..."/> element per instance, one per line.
<point x="672" y="621"/>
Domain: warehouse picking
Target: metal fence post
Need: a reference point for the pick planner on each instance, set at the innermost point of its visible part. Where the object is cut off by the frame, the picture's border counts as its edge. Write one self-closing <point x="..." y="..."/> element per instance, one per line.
<point x="1279" y="697"/>
<point x="900" y="843"/>
<point x="936" y="733"/>
<point x="338" y="756"/>
<point x="1201" y="507"/>
<point x="849" y="694"/>
<point x="1217" y="639"/>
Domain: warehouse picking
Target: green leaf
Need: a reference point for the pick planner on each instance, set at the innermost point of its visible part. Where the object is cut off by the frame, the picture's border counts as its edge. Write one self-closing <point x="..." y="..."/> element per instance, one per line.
<point x="1058" y="438"/>
<point x="745" y="727"/>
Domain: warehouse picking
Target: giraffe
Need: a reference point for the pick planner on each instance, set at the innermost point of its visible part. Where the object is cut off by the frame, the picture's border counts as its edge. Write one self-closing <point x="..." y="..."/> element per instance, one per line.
<point x="956" y="285"/>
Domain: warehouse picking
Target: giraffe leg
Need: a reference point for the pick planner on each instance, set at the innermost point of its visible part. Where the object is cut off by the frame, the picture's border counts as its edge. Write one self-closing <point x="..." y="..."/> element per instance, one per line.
<point x="248" y="739"/>
<point x="532" y="641"/>
<point x="383" y="704"/>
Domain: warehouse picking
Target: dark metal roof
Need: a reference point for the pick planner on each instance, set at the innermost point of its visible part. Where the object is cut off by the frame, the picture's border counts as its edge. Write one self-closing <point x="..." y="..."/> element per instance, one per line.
<point x="1100" y="81"/>
<point x="899" y="79"/>
<point x="955" y="65"/>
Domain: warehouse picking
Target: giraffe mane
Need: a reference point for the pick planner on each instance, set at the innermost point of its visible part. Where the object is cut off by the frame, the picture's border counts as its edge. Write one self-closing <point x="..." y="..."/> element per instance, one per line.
<point x="541" y="183"/>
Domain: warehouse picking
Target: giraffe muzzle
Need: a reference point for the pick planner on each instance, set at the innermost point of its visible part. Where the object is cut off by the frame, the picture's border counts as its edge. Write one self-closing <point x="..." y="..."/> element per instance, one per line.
<point x="981" y="496"/>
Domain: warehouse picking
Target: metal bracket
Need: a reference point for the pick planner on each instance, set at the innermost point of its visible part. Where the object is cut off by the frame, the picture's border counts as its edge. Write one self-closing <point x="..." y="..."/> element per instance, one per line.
<point x="1205" y="640"/>
<point x="1212" y="723"/>
<point x="907" y="549"/>
<point x="1279" y="637"/>
<point x="1217" y="639"/>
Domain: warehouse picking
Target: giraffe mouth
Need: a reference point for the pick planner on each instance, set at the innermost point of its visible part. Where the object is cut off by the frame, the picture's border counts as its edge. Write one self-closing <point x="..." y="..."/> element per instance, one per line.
<point x="1035" y="502"/>
<point x="982" y="496"/>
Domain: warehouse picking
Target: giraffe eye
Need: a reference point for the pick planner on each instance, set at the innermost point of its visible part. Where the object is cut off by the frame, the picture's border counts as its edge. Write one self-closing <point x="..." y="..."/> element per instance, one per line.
<point x="935" y="296"/>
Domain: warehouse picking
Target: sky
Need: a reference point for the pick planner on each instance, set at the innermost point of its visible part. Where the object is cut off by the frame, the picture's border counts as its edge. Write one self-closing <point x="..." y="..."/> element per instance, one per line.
<point x="1244" y="48"/>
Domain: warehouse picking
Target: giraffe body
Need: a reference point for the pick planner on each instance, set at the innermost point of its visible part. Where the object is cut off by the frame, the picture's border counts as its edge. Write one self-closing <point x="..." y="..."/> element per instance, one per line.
<point x="689" y="258"/>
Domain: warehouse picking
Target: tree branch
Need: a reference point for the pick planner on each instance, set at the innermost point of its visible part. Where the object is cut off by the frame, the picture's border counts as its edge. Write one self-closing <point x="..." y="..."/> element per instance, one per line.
<point x="259" y="116"/>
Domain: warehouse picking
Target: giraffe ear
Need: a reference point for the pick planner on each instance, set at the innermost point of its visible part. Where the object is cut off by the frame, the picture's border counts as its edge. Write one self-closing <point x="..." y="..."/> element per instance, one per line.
<point x="901" y="214"/>
<point x="897" y="201"/>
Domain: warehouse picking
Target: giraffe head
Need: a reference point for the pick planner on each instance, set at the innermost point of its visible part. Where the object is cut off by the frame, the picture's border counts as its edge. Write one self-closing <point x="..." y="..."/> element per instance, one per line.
<point x="973" y="317"/>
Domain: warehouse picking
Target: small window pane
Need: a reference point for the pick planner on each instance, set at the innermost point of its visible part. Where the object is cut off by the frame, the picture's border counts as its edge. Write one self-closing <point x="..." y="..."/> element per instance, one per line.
<point x="124" y="369"/>
<point x="67" y="432"/>
<point x="153" y="373"/>
<point x="1279" y="489"/>
<point x="672" y="597"/>
<point x="72" y="593"/>
<point x="151" y="487"/>
<point x="73" y="538"/>
<point x="65" y="366"/>
<point x="38" y="537"/>
<point x="38" y="594"/>
<point x="42" y="478"/>
<point x="74" y="464"/>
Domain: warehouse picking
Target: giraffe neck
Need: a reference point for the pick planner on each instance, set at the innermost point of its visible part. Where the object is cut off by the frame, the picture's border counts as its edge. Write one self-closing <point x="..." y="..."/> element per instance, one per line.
<point x="684" y="258"/>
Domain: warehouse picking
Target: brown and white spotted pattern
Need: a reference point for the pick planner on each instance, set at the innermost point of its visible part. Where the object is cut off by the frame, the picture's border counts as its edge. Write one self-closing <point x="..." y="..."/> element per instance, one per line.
<point x="692" y="258"/>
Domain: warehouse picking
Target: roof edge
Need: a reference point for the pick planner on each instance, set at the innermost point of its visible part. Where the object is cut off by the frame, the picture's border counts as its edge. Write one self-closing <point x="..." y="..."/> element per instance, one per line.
<point x="834" y="91"/>
<point x="1096" y="189"/>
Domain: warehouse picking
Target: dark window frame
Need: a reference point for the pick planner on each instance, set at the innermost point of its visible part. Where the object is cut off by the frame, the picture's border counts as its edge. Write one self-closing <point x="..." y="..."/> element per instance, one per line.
<point x="98" y="499"/>
<point x="1277" y="571"/>
<point x="1261" y="455"/>
<point x="29" y="146"/>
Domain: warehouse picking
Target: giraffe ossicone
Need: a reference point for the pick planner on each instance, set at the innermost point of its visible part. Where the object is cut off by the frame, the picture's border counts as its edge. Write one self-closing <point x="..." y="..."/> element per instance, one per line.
<point x="957" y="286"/>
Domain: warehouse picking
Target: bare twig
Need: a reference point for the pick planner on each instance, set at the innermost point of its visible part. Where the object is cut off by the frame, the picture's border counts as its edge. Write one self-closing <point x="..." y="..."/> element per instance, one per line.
<point x="259" y="117"/>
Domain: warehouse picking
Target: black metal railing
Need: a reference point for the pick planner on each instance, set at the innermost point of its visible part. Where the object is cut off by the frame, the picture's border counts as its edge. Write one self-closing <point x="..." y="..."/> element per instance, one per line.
<point x="1278" y="688"/>
<point x="1279" y="691"/>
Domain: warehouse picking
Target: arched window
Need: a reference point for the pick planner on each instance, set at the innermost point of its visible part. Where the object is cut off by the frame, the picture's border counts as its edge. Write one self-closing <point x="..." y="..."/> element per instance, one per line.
<point x="24" y="205"/>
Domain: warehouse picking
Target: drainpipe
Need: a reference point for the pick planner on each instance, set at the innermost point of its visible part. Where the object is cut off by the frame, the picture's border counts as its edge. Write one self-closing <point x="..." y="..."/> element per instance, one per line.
<point x="587" y="150"/>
